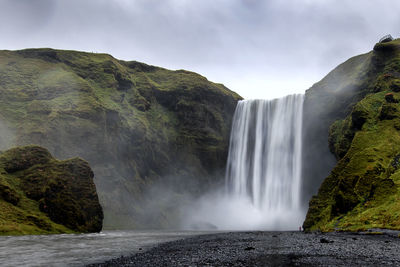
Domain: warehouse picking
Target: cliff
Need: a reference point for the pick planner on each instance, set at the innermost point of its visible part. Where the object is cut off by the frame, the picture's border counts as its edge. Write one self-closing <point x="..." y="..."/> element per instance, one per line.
<point x="138" y="126"/>
<point x="356" y="110"/>
<point x="42" y="195"/>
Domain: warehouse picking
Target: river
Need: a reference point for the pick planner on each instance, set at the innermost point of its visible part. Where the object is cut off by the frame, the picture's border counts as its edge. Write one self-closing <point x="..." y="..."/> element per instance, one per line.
<point x="80" y="249"/>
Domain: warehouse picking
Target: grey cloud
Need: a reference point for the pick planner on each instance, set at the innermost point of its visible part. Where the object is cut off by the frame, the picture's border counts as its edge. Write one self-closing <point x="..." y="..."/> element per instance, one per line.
<point x="236" y="42"/>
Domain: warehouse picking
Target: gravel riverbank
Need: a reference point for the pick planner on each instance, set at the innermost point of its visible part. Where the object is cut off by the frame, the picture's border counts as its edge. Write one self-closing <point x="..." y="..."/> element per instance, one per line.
<point x="272" y="249"/>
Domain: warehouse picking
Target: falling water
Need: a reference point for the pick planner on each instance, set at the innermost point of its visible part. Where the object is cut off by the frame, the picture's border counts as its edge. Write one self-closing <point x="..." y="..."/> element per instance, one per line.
<point x="264" y="162"/>
<point x="263" y="177"/>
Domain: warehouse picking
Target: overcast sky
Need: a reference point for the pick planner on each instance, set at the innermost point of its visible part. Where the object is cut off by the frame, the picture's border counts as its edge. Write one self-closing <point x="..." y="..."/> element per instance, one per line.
<point x="260" y="49"/>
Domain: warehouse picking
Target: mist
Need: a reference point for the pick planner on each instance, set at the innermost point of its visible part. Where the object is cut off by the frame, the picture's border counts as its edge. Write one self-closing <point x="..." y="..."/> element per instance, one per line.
<point x="7" y="135"/>
<point x="218" y="210"/>
<point x="263" y="182"/>
<point x="260" y="49"/>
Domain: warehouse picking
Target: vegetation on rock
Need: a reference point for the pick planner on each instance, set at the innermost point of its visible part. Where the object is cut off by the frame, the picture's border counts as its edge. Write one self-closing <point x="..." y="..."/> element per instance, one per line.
<point x="42" y="195"/>
<point x="137" y="125"/>
<point x="362" y="191"/>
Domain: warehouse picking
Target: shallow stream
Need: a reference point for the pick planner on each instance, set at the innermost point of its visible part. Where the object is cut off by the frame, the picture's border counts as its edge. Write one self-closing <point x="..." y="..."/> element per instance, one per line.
<point x="80" y="249"/>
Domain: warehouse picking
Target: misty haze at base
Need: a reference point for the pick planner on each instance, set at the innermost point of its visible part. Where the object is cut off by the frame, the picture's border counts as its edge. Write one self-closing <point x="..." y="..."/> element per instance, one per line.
<point x="263" y="180"/>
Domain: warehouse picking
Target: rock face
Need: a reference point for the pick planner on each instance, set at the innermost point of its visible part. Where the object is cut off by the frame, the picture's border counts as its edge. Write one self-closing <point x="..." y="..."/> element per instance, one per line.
<point x="358" y="103"/>
<point x="139" y="127"/>
<point x="39" y="194"/>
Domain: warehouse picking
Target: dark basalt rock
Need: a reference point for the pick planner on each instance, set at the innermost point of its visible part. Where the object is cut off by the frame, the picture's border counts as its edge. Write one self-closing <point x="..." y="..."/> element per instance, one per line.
<point x="358" y="118"/>
<point x="8" y="194"/>
<point x="395" y="86"/>
<point x="389" y="97"/>
<point x="64" y="190"/>
<point x="388" y="111"/>
<point x="42" y="224"/>
<point x="22" y="159"/>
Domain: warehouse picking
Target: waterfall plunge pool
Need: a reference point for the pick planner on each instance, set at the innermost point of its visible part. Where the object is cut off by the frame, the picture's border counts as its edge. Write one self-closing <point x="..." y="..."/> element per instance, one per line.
<point x="263" y="174"/>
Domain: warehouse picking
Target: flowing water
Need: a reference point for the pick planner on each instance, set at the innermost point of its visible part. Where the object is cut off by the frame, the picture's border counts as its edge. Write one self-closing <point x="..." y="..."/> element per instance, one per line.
<point x="264" y="162"/>
<point x="263" y="176"/>
<point x="79" y="249"/>
<point x="262" y="191"/>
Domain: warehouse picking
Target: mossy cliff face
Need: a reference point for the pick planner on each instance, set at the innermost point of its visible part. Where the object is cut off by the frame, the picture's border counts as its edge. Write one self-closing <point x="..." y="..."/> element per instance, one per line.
<point x="137" y="125"/>
<point x="42" y="195"/>
<point x="327" y="101"/>
<point x="362" y="191"/>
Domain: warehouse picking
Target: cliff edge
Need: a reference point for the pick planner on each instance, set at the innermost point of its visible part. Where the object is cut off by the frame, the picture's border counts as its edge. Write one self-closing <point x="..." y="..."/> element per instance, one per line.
<point x="360" y="101"/>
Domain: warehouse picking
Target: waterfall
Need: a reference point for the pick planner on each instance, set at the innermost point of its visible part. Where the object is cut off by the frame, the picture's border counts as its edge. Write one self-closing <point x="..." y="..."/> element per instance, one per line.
<point x="264" y="161"/>
<point x="263" y="175"/>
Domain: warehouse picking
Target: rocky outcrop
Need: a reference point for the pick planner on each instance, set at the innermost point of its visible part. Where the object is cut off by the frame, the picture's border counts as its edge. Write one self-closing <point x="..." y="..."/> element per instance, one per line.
<point x="138" y="126"/>
<point x="362" y="191"/>
<point x="39" y="194"/>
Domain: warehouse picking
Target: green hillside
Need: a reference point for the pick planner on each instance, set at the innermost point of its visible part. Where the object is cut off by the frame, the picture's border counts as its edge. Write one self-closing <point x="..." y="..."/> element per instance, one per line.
<point x="42" y="195"/>
<point x="362" y="191"/>
<point x="138" y="126"/>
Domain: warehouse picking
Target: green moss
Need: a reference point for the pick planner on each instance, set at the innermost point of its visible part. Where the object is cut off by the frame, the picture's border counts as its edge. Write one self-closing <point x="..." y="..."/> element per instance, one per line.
<point x="41" y="195"/>
<point x="362" y="191"/>
<point x="133" y="122"/>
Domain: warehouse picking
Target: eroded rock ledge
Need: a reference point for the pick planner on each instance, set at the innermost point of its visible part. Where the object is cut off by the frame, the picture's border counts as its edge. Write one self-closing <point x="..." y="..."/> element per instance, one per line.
<point x="39" y="194"/>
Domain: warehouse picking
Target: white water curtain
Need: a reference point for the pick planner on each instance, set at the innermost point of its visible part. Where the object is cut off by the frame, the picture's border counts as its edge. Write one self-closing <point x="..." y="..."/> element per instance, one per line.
<point x="264" y="162"/>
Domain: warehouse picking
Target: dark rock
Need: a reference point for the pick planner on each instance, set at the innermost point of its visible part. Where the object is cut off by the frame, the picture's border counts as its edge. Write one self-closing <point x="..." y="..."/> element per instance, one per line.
<point x="386" y="39"/>
<point x="8" y="194"/>
<point x="324" y="240"/>
<point x="124" y="83"/>
<point x="39" y="222"/>
<point x="358" y="118"/>
<point x="18" y="159"/>
<point x="389" y="97"/>
<point x="396" y="162"/>
<point x="64" y="190"/>
<point x="395" y="86"/>
<point x="44" y="53"/>
<point x="345" y="201"/>
<point x="389" y="111"/>
<point x="139" y="66"/>
<point x="386" y="47"/>
<point x="71" y="199"/>
<point x="249" y="248"/>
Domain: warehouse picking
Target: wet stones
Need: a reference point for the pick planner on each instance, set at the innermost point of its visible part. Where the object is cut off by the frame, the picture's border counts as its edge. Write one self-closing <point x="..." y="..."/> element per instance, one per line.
<point x="325" y="241"/>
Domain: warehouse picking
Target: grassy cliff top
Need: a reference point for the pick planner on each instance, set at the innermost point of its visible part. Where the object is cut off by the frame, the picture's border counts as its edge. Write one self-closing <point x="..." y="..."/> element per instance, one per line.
<point x="91" y="65"/>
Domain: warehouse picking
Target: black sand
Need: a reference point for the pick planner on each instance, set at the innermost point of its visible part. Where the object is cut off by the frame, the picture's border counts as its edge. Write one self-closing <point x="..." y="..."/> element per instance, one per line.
<point x="272" y="249"/>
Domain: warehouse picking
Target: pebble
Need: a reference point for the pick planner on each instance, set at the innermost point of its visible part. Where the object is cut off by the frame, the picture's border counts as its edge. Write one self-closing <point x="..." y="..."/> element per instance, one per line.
<point x="264" y="249"/>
